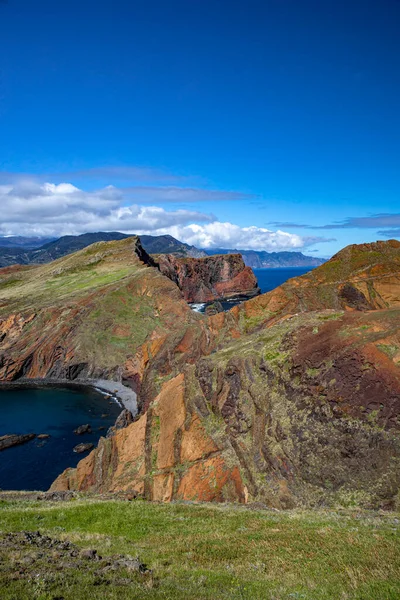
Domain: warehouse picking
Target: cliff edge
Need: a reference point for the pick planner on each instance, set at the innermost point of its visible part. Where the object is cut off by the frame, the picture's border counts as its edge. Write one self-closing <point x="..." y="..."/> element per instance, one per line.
<point x="210" y="278"/>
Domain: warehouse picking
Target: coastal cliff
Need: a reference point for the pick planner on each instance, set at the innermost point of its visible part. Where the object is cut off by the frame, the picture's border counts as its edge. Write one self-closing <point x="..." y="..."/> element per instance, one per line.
<point x="210" y="278"/>
<point x="263" y="418"/>
<point x="291" y="398"/>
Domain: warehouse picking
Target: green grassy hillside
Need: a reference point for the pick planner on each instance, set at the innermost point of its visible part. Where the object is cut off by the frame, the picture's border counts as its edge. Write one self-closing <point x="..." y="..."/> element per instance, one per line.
<point x="199" y="552"/>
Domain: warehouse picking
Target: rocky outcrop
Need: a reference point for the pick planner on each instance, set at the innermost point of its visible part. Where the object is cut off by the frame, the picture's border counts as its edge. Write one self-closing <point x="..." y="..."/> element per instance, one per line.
<point x="211" y="278"/>
<point x="7" y="441"/>
<point x="83" y="429"/>
<point x="84" y="447"/>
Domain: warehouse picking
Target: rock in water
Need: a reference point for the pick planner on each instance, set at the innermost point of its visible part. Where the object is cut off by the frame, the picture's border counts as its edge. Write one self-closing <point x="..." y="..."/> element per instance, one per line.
<point x="213" y="309"/>
<point x="83" y="429"/>
<point x="6" y="441"/>
<point x="83" y="448"/>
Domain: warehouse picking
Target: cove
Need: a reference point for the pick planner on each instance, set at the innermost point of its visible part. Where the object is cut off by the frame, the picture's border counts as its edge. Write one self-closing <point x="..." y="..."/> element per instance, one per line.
<point x="55" y="411"/>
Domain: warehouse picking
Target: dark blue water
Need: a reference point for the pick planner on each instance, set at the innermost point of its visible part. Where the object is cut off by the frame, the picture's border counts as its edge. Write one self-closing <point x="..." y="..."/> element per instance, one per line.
<point x="35" y="465"/>
<point x="268" y="279"/>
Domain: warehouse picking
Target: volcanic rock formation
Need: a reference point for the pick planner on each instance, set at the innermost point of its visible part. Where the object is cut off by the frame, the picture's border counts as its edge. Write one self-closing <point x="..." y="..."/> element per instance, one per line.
<point x="211" y="278"/>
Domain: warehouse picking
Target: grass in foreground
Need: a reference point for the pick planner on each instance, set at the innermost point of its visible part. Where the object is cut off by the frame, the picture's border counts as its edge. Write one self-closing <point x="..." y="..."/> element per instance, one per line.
<point x="208" y="552"/>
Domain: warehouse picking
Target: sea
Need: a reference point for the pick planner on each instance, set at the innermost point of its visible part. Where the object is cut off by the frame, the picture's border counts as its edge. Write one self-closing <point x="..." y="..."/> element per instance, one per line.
<point x="56" y="411"/>
<point x="268" y="279"/>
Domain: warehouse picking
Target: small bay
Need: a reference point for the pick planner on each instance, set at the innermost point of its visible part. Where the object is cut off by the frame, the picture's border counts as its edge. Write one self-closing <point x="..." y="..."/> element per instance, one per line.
<point x="54" y="411"/>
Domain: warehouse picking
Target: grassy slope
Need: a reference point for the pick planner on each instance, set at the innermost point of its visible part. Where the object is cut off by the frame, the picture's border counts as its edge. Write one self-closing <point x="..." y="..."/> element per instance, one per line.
<point x="102" y="302"/>
<point x="209" y="552"/>
<point x="69" y="278"/>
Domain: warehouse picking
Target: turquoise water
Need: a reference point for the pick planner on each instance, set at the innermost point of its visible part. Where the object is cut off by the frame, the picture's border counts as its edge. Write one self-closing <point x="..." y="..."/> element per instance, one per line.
<point x="57" y="411"/>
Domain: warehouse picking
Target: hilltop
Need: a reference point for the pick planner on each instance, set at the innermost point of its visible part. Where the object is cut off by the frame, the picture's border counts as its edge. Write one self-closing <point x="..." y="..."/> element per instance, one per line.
<point x="85" y="313"/>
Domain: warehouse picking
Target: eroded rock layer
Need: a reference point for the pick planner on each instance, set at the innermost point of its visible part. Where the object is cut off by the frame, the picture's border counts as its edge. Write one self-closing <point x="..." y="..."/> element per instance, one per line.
<point x="167" y="454"/>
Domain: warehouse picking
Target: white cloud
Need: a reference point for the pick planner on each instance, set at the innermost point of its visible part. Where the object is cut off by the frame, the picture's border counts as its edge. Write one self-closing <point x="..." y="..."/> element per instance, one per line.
<point x="228" y="235"/>
<point x="52" y="210"/>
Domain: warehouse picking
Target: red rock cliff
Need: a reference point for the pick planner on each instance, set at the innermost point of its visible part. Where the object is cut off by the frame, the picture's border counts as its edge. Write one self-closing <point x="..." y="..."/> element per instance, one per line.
<point x="211" y="278"/>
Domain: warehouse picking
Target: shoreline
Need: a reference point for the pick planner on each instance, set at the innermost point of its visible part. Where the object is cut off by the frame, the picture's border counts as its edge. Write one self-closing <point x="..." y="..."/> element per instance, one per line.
<point x="118" y="392"/>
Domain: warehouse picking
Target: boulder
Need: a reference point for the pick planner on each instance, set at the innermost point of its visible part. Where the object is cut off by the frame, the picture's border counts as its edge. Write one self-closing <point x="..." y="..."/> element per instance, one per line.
<point x="83" y="429"/>
<point x="7" y="441"/>
<point x="83" y="448"/>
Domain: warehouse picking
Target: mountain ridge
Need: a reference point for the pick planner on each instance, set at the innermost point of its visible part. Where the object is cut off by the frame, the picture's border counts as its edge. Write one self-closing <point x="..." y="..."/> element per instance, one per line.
<point x="65" y="245"/>
<point x="30" y="250"/>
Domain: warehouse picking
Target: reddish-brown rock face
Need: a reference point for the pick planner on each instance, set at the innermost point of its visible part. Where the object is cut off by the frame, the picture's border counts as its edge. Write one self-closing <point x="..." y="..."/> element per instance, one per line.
<point x="211" y="278"/>
<point x="167" y="454"/>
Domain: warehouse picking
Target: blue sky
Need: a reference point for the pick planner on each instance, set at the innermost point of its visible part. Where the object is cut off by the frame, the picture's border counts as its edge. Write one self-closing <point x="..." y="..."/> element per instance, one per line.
<point x="221" y="122"/>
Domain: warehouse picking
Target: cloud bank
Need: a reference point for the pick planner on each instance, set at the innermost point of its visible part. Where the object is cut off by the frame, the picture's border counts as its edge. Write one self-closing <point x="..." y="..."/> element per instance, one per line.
<point x="52" y="210"/>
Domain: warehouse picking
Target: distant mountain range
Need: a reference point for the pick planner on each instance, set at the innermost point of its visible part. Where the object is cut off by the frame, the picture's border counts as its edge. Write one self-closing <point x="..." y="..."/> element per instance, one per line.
<point x="36" y="250"/>
<point x="26" y="251"/>
<point x="17" y="241"/>
<point x="272" y="260"/>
